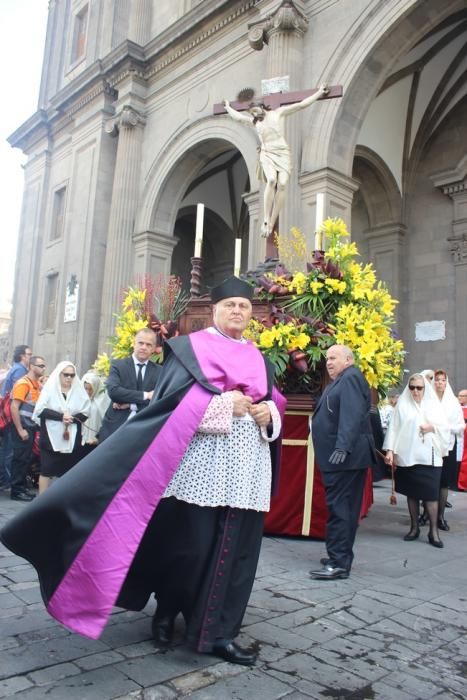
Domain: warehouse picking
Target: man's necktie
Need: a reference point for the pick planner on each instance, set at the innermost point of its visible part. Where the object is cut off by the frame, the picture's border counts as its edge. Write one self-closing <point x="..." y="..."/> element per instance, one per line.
<point x="139" y="378"/>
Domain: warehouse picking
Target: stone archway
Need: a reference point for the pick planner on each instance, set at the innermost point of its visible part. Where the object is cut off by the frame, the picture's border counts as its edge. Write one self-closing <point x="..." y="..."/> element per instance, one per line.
<point x="385" y="33"/>
<point x="179" y="164"/>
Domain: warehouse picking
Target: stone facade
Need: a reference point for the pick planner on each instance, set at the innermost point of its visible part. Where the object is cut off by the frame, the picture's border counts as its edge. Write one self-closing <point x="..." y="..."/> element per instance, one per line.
<point x="125" y="143"/>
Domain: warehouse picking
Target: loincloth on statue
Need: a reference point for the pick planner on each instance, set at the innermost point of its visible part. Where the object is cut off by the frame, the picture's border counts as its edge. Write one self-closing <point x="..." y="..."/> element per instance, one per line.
<point x="278" y="158"/>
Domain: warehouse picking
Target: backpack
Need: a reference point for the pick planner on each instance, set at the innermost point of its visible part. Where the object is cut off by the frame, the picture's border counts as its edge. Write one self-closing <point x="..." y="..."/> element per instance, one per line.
<point x="5" y="412"/>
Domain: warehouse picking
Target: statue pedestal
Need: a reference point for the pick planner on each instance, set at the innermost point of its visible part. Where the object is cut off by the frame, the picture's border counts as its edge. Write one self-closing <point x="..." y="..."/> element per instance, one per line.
<point x="300" y="506"/>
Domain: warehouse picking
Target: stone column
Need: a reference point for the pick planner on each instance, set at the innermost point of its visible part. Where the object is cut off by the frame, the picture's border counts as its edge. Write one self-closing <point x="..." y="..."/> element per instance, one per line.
<point x="338" y="190"/>
<point x="454" y="184"/>
<point x="283" y="33"/>
<point x="386" y="244"/>
<point x="120" y="254"/>
<point x="153" y="253"/>
<point x="140" y="21"/>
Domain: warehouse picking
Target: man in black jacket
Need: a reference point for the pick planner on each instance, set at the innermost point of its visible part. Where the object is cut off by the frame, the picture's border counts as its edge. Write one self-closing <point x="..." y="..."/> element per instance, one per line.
<point x="130" y="383"/>
<point x="344" y="449"/>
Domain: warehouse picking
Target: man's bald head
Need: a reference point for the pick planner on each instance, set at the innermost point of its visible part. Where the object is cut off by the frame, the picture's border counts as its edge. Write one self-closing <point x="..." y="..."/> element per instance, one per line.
<point x="338" y="358"/>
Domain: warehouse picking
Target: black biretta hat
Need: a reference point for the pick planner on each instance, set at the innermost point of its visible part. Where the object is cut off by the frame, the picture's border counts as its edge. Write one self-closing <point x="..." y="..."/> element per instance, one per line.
<point x="232" y="287"/>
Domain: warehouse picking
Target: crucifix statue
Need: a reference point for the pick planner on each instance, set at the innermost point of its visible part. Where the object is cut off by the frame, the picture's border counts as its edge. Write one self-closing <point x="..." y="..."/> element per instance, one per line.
<point x="274" y="165"/>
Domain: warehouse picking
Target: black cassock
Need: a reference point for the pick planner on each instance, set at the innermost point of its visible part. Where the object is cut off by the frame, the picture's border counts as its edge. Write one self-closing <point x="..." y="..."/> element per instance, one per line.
<point x="101" y="535"/>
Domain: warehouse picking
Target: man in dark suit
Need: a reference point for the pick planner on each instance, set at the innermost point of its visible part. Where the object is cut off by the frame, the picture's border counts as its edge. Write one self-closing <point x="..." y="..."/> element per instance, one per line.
<point x="130" y="383"/>
<point x="344" y="449"/>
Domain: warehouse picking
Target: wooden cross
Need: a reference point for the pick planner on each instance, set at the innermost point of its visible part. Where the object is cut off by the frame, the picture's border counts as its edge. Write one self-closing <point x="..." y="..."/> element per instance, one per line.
<point x="279" y="98"/>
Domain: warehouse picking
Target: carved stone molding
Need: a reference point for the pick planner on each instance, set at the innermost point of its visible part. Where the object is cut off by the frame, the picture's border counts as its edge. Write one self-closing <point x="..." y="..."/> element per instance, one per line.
<point x="127" y="118"/>
<point x="287" y="18"/>
<point x="458" y="249"/>
<point x="453" y="183"/>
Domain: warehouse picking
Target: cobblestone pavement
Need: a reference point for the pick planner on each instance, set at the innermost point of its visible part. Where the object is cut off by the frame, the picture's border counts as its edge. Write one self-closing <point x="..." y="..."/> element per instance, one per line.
<point x="395" y="630"/>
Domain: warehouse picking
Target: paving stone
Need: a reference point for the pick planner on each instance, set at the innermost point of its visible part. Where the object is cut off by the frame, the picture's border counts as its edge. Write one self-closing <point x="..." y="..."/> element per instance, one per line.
<point x="160" y="692"/>
<point x="22" y="586"/>
<point x="187" y="684"/>
<point x="273" y="601"/>
<point x="245" y="686"/>
<point x="7" y="559"/>
<point x="357" y="660"/>
<point x="104" y="658"/>
<point x="163" y="666"/>
<point x="321" y="630"/>
<point x="12" y="686"/>
<point x="28" y="658"/>
<point x="382" y="691"/>
<point x="131" y="651"/>
<point x="312" y="669"/>
<point x="9" y="643"/>
<point x="20" y="622"/>
<point x="123" y="633"/>
<point x="30" y="595"/>
<point x="412" y="683"/>
<point x="276" y="636"/>
<point x="53" y="673"/>
<point x="100" y="684"/>
<point x="8" y="600"/>
<point x="22" y="574"/>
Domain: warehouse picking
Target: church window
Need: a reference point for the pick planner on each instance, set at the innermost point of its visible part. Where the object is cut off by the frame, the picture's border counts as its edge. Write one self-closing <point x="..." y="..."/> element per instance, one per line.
<point x="79" y="35"/>
<point x="50" y="301"/>
<point x="58" y="214"/>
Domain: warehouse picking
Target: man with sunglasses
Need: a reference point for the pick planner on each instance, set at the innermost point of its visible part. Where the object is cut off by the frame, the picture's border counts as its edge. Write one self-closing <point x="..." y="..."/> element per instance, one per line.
<point x="24" y="396"/>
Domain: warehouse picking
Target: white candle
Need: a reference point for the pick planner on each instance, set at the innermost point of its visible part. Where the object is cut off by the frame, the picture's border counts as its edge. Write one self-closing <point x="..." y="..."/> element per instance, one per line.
<point x="319" y="219"/>
<point x="238" y="256"/>
<point x="199" y="229"/>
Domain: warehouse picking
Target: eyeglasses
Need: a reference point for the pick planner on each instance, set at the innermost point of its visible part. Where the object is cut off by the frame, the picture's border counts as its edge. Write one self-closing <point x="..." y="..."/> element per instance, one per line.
<point x="68" y="376"/>
<point x="41" y="366"/>
<point x="415" y="388"/>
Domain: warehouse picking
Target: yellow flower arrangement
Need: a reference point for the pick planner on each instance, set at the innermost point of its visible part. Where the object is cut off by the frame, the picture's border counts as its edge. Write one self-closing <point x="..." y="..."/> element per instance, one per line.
<point x="337" y="300"/>
<point x="137" y="312"/>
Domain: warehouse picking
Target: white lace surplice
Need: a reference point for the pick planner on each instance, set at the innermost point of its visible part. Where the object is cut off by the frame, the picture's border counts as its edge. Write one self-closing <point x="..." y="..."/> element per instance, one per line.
<point x="227" y="468"/>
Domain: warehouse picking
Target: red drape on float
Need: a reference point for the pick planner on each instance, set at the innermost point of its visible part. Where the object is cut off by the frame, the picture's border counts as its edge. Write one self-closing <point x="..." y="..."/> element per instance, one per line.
<point x="300" y="507"/>
<point x="462" y="483"/>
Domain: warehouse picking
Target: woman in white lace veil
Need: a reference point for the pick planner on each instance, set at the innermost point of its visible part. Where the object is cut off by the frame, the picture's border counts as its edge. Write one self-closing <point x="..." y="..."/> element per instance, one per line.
<point x="415" y="442"/>
<point x="455" y="419"/>
<point x="62" y="407"/>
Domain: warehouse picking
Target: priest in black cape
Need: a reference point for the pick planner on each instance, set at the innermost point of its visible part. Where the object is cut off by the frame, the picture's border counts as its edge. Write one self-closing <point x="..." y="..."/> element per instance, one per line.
<point x="173" y="502"/>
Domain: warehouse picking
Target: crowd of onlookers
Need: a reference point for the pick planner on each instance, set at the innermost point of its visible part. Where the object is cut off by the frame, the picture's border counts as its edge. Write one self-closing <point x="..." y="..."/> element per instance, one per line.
<point x="48" y="422"/>
<point x="425" y="445"/>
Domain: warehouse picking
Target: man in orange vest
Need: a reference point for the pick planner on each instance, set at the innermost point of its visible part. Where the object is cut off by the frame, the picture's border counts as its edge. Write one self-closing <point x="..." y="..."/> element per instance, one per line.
<point x="24" y="396"/>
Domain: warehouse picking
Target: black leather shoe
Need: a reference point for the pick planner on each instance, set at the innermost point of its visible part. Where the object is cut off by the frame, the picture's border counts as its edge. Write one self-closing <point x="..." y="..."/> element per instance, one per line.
<point x="448" y="505"/>
<point x="162" y="629"/>
<point x="21" y="496"/>
<point x="435" y="543"/>
<point x="229" y="651"/>
<point x="442" y="525"/>
<point x="329" y="573"/>
<point x="412" y="535"/>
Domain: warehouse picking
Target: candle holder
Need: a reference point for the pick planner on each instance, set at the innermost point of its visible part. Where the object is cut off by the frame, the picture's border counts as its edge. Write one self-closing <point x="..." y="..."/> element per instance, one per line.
<point x="196" y="277"/>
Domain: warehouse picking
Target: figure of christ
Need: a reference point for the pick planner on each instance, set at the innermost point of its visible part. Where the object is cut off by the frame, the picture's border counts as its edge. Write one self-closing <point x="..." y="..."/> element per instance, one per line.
<point x="275" y="162"/>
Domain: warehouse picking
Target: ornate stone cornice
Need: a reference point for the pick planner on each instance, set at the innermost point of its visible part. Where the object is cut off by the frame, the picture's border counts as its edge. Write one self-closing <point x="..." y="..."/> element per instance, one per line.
<point x="161" y="44"/>
<point x="287" y="18"/>
<point x="129" y="60"/>
<point x="127" y="118"/>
